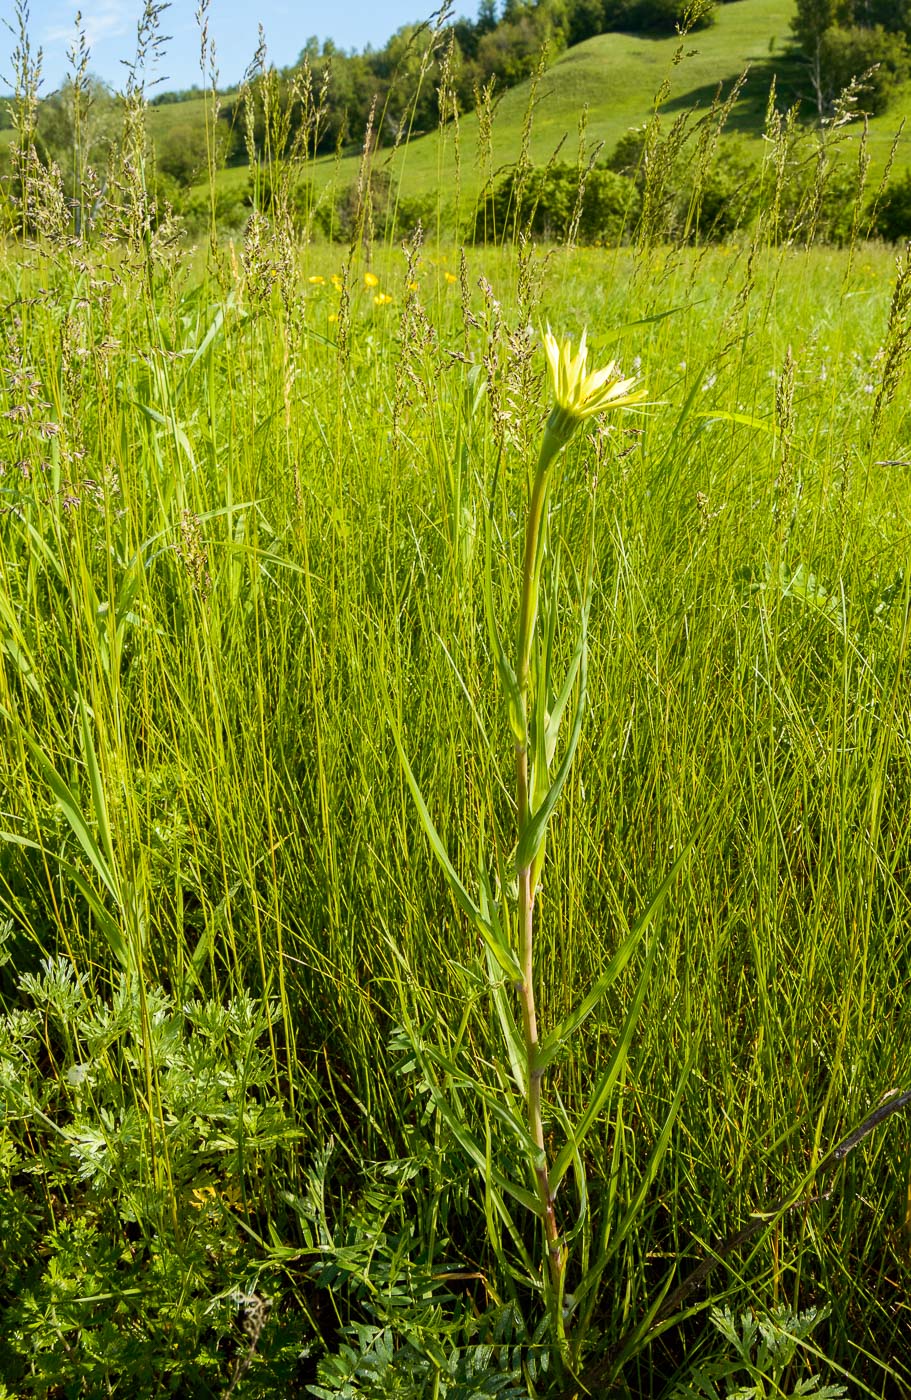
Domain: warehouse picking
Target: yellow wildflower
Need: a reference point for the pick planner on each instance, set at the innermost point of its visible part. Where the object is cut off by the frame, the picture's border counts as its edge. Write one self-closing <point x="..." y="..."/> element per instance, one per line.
<point x="209" y="1197"/>
<point x="412" y="286"/>
<point x="202" y="1195"/>
<point x="371" y="279"/>
<point x="336" y="281"/>
<point x="317" y="281"/>
<point x="579" y="394"/>
<point x="382" y="299"/>
<point x="332" y="316"/>
<point x="450" y="277"/>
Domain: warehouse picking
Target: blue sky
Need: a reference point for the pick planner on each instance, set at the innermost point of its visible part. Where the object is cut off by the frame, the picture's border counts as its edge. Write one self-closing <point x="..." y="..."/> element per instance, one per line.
<point x="110" y="27"/>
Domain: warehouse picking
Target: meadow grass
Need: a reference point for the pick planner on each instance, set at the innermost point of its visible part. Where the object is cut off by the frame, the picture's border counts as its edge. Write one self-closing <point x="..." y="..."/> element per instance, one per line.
<point x="258" y="503"/>
<point x="224" y="544"/>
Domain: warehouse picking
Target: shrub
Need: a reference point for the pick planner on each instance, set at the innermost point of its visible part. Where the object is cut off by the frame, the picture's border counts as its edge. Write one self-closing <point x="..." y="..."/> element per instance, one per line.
<point x="543" y="202"/>
<point x="892" y="220"/>
<point x="512" y="50"/>
<point x="818" y="200"/>
<point x="626" y="157"/>
<point x="270" y="190"/>
<point x="337" y="215"/>
<point x="181" y="153"/>
<point x="847" y="53"/>
<point x="610" y="207"/>
<point x="194" y="208"/>
<point x="729" y="191"/>
<point x="656" y="16"/>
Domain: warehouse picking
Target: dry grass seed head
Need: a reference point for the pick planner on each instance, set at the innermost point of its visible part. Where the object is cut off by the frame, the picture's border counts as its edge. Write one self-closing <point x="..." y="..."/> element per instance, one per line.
<point x="417" y="340"/>
<point x="785" y="502"/>
<point x="897" y="344"/>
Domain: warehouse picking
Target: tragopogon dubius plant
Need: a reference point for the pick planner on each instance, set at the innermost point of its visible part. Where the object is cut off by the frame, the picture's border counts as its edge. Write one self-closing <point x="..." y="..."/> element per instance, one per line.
<point x="537" y="701"/>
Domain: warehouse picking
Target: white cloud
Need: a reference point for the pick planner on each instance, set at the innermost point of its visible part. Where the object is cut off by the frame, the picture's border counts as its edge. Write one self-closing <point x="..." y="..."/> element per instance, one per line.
<point x="101" y="19"/>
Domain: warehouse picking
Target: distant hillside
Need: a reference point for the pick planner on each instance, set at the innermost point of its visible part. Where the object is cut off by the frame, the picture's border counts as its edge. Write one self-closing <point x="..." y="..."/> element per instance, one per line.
<point x="614" y="76"/>
<point x="618" y="76"/>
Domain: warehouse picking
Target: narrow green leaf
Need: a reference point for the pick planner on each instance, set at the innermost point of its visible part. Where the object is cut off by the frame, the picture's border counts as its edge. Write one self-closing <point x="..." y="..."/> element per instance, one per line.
<point x="74" y="815"/>
<point x="15" y="644"/>
<point x="674" y="438"/>
<point x="536" y="827"/>
<point x="96" y="787"/>
<point x="112" y="933"/>
<point x="628" y="327"/>
<point x="169" y="422"/>
<point x="747" y="419"/>
<point x="497" y="945"/>
<point x="470" y="1146"/>
<point x="561" y="1033"/>
<point x="657" y="1154"/>
<point x="515" y="1050"/>
<point x="555" y="717"/>
<point x="495" y="1206"/>
<point x="508" y="681"/>
<point x="607" y="1080"/>
<point x="215" y="328"/>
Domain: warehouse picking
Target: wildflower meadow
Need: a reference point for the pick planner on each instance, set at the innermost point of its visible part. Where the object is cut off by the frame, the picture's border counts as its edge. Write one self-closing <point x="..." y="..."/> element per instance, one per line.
<point x="456" y="774"/>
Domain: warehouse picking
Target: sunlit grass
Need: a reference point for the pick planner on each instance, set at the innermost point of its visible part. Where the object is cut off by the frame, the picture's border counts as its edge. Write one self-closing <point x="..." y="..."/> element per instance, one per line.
<point x="231" y="545"/>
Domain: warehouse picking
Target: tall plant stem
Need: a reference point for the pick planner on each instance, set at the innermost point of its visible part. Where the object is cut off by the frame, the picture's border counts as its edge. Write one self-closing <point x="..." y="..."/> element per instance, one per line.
<point x="528" y="609"/>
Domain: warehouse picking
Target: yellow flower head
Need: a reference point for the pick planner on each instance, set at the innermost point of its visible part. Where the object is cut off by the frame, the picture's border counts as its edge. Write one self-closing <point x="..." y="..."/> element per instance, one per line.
<point x="336" y="281"/>
<point x="317" y="281"/>
<point x="382" y="299"/>
<point x="450" y="277"/>
<point x="371" y="279"/>
<point x="580" y="395"/>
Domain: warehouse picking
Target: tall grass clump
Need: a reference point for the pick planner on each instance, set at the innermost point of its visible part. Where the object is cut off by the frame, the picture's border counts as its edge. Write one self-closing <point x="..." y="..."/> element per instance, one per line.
<point x="453" y="910"/>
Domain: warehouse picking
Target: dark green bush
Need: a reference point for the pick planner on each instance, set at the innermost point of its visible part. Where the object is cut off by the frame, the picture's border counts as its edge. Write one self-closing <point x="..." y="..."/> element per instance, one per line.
<point x="892" y="219"/>
<point x="273" y="191"/>
<point x="848" y="53"/>
<point x="194" y="208"/>
<point x="181" y="153"/>
<point x="340" y="217"/>
<point x="729" y="191"/>
<point x="655" y="16"/>
<point x="543" y="202"/>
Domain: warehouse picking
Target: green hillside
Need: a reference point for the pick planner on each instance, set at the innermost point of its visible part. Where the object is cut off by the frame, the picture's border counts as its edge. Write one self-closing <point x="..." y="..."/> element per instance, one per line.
<point x="618" y="76"/>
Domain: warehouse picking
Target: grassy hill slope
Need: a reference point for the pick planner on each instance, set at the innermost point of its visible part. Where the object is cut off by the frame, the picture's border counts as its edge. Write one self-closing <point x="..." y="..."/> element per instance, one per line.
<point x="617" y="77"/>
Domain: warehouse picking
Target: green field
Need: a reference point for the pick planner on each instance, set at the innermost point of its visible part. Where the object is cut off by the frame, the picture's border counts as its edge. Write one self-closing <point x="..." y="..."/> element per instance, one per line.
<point x="242" y="1015"/>
<point x="454" y="843"/>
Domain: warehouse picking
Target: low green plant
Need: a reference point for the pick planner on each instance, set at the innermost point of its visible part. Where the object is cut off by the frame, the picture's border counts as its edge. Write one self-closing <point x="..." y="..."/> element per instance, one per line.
<point x="892" y="216"/>
<point x="131" y="1247"/>
<point x="537" y="699"/>
<point x="765" y="1353"/>
<point x="599" y="206"/>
